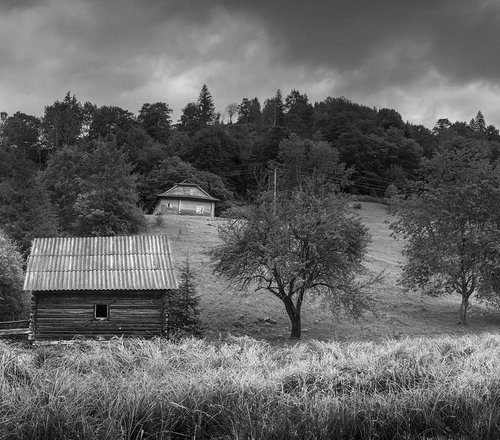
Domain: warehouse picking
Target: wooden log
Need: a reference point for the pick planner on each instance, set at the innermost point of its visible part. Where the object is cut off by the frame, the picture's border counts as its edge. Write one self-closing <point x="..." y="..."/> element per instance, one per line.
<point x="14" y="331"/>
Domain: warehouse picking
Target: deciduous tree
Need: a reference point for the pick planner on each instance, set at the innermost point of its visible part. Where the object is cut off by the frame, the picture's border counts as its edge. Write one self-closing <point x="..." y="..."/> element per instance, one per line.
<point x="108" y="203"/>
<point x="231" y="110"/>
<point x="451" y="224"/>
<point x="62" y="122"/>
<point x="302" y="243"/>
<point x="156" y="120"/>
<point x="25" y="209"/>
<point x="11" y="279"/>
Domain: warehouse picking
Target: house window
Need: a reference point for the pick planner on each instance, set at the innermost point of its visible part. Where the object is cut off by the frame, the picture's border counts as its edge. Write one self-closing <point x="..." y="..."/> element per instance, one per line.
<point x="101" y="311"/>
<point x="200" y="209"/>
<point x="169" y="205"/>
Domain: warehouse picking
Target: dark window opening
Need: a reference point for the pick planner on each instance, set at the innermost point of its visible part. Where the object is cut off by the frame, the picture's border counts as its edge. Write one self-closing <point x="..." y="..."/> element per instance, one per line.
<point x="101" y="311"/>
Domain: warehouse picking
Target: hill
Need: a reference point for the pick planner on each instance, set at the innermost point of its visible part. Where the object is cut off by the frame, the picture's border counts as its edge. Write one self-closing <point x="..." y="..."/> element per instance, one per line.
<point x="399" y="313"/>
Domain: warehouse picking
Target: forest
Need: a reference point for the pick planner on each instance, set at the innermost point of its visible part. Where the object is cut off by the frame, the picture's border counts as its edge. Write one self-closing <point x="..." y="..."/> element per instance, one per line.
<point x="83" y="170"/>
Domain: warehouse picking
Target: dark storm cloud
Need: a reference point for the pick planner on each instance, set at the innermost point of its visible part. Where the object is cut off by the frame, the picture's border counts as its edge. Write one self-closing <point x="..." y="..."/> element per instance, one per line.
<point x="9" y="5"/>
<point x="460" y="36"/>
<point x="422" y="57"/>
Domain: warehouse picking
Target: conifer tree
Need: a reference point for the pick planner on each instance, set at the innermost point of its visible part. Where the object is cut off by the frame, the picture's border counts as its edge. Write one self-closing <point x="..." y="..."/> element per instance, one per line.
<point x="206" y="107"/>
<point x="183" y="306"/>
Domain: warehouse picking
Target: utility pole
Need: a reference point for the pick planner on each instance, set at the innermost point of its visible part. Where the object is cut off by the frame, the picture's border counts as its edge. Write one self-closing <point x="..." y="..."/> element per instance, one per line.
<point x="274" y="192"/>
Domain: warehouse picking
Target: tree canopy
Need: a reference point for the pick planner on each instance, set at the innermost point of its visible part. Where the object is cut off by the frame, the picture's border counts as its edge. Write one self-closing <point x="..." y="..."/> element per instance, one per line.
<point x="451" y="224"/>
<point x="300" y="243"/>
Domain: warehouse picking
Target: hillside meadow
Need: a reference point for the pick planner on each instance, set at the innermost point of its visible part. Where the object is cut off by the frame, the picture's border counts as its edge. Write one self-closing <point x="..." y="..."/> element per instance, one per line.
<point x="399" y="313"/>
<point x="406" y="371"/>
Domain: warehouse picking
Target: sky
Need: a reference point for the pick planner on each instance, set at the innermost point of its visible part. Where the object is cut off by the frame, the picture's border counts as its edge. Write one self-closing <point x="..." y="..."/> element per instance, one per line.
<point x="428" y="59"/>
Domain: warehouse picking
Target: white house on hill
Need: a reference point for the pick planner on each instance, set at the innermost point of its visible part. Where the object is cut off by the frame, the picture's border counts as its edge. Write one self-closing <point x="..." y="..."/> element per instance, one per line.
<point x="186" y="198"/>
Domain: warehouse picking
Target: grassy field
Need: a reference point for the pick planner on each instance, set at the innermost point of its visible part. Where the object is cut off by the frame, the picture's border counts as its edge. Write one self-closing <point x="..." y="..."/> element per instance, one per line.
<point x="420" y="388"/>
<point x="399" y="313"/>
<point x="405" y="372"/>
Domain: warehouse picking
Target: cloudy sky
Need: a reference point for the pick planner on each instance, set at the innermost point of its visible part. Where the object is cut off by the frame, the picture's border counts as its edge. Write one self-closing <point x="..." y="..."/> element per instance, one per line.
<point x="428" y="59"/>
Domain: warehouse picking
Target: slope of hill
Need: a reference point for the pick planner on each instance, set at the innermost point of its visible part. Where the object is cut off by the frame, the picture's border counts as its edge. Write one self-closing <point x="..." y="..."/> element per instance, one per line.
<point x="399" y="313"/>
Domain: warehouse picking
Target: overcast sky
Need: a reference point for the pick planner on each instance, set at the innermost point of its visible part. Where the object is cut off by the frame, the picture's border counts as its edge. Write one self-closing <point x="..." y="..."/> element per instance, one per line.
<point x="428" y="59"/>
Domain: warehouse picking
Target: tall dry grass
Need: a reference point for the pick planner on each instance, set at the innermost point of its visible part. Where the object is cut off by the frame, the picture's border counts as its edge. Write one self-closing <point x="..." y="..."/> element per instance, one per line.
<point x="244" y="389"/>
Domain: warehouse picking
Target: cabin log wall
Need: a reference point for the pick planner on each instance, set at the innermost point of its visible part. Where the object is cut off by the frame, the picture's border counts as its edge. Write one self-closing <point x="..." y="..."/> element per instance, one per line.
<point x="64" y="314"/>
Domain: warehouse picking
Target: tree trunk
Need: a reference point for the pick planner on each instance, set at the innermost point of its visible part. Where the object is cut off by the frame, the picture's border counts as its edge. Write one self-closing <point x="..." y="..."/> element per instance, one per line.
<point x="463" y="310"/>
<point x="294" y="314"/>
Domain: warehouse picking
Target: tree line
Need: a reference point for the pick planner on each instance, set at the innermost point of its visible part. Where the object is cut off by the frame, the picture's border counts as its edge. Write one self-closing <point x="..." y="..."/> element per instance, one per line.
<point x="81" y="169"/>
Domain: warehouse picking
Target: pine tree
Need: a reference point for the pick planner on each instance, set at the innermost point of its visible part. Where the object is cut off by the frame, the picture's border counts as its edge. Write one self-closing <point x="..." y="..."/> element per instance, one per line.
<point x="479" y="123"/>
<point x="183" y="306"/>
<point x="206" y="107"/>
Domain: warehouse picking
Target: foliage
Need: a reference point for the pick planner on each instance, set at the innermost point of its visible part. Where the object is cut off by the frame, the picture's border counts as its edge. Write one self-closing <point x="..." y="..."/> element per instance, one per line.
<point x="249" y="112"/>
<point x="108" y="203"/>
<point x="94" y="190"/>
<point x="301" y="160"/>
<point x="21" y="131"/>
<point x="143" y="152"/>
<point x="183" y="306"/>
<point x="64" y="179"/>
<point x="108" y="121"/>
<point x="303" y="242"/>
<point x="198" y="115"/>
<point x="273" y="112"/>
<point x="391" y="191"/>
<point x="206" y="107"/>
<point x="299" y="116"/>
<point x="213" y="149"/>
<point x="231" y="110"/>
<point x="62" y="122"/>
<point x="25" y="209"/>
<point x="190" y="117"/>
<point x="155" y="119"/>
<point x="452" y="226"/>
<point x="11" y="279"/>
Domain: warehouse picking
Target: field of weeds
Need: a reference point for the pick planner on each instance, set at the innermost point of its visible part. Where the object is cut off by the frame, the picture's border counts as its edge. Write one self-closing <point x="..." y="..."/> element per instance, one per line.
<point x="444" y="387"/>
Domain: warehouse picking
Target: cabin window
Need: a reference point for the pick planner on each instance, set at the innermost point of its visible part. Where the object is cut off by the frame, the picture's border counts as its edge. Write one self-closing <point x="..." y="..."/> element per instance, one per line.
<point x="101" y="311"/>
<point x="169" y="205"/>
<point x="200" y="209"/>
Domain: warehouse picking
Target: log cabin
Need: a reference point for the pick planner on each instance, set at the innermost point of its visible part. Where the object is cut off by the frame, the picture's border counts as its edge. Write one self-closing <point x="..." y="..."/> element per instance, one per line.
<point x="186" y="198"/>
<point x="99" y="287"/>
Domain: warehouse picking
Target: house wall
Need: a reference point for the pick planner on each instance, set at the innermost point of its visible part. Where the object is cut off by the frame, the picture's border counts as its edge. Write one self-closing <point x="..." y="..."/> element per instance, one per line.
<point x="63" y="314"/>
<point x="187" y="207"/>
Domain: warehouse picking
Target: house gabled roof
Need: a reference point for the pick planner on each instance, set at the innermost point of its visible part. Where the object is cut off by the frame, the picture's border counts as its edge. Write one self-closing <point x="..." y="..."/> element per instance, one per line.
<point x="138" y="262"/>
<point x="187" y="190"/>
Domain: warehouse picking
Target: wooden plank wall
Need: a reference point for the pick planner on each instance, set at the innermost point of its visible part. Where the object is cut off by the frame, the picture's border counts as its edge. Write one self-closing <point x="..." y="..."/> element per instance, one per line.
<point x="63" y="314"/>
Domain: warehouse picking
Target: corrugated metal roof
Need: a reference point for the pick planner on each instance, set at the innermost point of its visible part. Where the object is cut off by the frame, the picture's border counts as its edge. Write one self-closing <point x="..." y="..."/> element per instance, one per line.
<point x="138" y="262"/>
<point x="187" y="190"/>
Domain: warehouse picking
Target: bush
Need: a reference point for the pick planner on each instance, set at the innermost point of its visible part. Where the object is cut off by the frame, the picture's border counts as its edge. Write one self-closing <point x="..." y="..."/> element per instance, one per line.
<point x="391" y="191"/>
